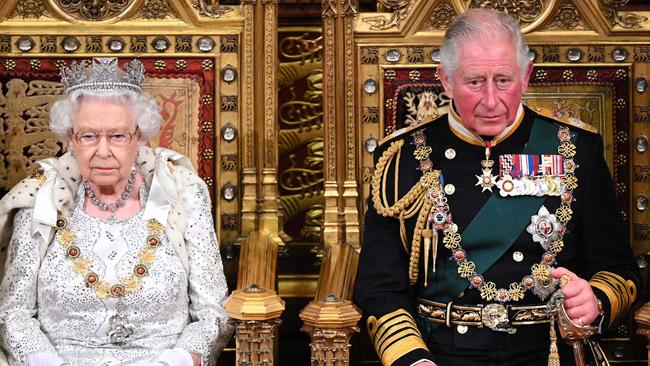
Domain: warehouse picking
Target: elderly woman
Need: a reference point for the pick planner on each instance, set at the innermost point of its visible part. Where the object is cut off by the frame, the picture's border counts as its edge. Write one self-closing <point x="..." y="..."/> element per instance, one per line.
<point x="113" y="258"/>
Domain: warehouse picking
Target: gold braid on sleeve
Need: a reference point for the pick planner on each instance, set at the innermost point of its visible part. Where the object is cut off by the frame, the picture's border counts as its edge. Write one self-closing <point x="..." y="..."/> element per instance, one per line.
<point x="414" y="202"/>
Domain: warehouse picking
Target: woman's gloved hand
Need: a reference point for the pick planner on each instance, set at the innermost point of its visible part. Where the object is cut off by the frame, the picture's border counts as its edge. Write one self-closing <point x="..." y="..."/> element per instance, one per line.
<point x="44" y="358"/>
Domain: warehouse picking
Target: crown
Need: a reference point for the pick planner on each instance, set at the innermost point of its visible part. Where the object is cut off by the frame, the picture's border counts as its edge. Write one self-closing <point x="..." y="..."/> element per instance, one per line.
<point x="103" y="74"/>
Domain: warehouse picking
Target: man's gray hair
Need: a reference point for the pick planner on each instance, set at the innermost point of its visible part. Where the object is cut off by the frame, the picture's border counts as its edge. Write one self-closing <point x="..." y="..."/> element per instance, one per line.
<point x="144" y="108"/>
<point x="485" y="25"/>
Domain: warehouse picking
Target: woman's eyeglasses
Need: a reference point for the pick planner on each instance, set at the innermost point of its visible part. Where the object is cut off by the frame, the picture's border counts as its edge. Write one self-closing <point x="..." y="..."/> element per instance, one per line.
<point x="114" y="138"/>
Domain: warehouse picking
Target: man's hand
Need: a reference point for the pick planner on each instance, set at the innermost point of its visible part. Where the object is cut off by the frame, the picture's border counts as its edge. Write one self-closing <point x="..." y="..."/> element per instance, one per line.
<point x="580" y="301"/>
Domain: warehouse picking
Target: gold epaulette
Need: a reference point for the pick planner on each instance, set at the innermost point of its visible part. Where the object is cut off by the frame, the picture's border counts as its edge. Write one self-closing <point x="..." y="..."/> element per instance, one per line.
<point x="407" y="129"/>
<point x="620" y="293"/>
<point x="394" y="335"/>
<point x="574" y="122"/>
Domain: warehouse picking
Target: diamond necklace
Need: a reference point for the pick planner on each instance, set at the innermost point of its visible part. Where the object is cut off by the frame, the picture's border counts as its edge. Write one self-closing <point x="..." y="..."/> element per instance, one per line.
<point x="120" y="200"/>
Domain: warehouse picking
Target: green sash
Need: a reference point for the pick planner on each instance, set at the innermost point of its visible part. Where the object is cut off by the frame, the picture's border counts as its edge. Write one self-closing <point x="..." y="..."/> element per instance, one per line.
<point x="494" y="228"/>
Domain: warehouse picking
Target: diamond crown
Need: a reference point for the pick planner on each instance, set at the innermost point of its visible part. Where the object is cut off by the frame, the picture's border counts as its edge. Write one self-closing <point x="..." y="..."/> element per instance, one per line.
<point x="103" y="74"/>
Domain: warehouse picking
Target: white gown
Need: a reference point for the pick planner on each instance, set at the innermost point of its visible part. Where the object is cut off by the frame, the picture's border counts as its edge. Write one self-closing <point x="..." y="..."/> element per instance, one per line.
<point x="58" y="312"/>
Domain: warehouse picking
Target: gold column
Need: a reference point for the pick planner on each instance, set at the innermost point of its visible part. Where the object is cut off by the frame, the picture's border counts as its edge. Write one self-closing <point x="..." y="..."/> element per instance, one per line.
<point x="260" y="195"/>
<point x="249" y="171"/>
<point x="255" y="314"/>
<point x="255" y="309"/>
<point x="642" y="317"/>
<point x="331" y="319"/>
<point x="330" y="324"/>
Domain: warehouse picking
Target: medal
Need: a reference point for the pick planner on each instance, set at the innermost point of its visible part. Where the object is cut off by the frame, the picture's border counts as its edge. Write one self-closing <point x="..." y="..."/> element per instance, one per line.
<point x="121" y="329"/>
<point x="544" y="227"/>
<point x="487" y="180"/>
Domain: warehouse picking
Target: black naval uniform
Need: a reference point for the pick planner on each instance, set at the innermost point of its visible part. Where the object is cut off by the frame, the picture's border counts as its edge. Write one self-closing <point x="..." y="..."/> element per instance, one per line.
<point x="596" y="247"/>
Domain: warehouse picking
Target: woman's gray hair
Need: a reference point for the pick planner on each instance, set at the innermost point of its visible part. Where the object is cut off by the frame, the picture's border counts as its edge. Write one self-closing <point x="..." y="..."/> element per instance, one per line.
<point x="144" y="108"/>
<point x="485" y="25"/>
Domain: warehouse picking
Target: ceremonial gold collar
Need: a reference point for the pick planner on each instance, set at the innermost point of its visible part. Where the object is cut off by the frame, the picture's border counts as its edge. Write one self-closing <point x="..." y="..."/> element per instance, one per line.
<point x="471" y="137"/>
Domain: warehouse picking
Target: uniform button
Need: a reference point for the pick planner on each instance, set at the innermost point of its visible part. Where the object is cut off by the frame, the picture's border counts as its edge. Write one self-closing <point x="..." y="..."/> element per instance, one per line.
<point x="518" y="256"/>
<point x="450" y="153"/>
<point x="462" y="329"/>
<point x="449" y="189"/>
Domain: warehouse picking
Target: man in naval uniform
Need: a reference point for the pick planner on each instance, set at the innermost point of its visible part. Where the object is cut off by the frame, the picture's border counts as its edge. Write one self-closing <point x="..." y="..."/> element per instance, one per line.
<point x="475" y="216"/>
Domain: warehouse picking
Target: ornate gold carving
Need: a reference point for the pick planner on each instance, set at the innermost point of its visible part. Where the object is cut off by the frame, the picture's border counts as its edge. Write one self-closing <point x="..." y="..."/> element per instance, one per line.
<point x="330" y="324"/>
<point x="596" y="54"/>
<point x="350" y="106"/>
<point x="551" y="54"/>
<point x="305" y="180"/>
<point x="24" y="123"/>
<point x="313" y="223"/>
<point x="211" y="8"/>
<point x="400" y="8"/>
<point x="304" y="48"/>
<point x="367" y="174"/>
<point x="138" y="44"/>
<point x="627" y="20"/>
<point x="304" y="113"/>
<point x="525" y="11"/>
<point x="642" y="54"/>
<point x="229" y="103"/>
<point x="48" y="43"/>
<point x="96" y="10"/>
<point x="93" y="44"/>
<point x="270" y="92"/>
<point x="155" y="9"/>
<point x="248" y="65"/>
<point x="567" y="17"/>
<point x="5" y="44"/>
<point x="641" y="173"/>
<point x="441" y="16"/>
<point x="415" y="55"/>
<point x="30" y="9"/>
<point x="370" y="115"/>
<point x="229" y="161"/>
<point x="329" y="8"/>
<point x="329" y="102"/>
<point x="254" y="310"/>
<point x="642" y="317"/>
<point x="183" y="44"/>
<point x="641" y="114"/>
<point x="369" y="55"/>
<point x="641" y="232"/>
<point x="229" y="44"/>
<point x="229" y="221"/>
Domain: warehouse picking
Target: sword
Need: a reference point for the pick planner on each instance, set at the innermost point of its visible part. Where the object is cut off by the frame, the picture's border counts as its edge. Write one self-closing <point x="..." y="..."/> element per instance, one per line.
<point x="572" y="333"/>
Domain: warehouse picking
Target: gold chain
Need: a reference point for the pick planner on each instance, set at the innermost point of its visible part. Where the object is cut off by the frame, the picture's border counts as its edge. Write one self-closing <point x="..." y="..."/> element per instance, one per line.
<point x="540" y="272"/>
<point x="82" y="265"/>
<point x="430" y="187"/>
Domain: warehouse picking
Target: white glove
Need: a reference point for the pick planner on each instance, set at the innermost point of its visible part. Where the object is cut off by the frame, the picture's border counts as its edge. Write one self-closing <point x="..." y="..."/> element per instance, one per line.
<point x="174" y="357"/>
<point x="44" y="358"/>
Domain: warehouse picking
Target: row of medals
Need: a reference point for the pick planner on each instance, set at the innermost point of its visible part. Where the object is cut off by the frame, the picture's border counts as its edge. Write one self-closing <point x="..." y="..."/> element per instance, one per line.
<point x="546" y="185"/>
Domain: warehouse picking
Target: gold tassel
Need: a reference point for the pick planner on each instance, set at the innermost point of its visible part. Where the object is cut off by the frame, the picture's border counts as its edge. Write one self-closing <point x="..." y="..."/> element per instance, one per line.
<point x="553" y="355"/>
<point x="426" y="234"/>
<point x="434" y="250"/>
